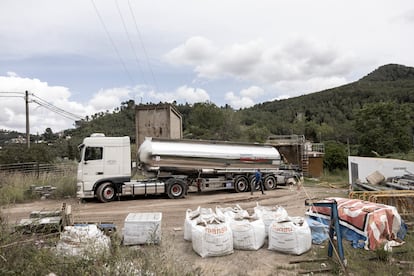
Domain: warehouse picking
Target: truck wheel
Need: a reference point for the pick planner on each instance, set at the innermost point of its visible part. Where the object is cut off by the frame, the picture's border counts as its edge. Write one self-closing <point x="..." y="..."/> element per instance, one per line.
<point x="175" y="188"/>
<point x="106" y="192"/>
<point x="241" y="184"/>
<point x="270" y="182"/>
<point x="252" y="183"/>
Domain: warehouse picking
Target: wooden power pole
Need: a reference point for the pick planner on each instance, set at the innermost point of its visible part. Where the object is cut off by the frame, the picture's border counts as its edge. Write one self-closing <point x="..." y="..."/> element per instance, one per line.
<point x="26" y="98"/>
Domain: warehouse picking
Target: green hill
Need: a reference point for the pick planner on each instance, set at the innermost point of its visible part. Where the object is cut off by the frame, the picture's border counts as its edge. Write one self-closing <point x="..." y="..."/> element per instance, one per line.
<point x="330" y="114"/>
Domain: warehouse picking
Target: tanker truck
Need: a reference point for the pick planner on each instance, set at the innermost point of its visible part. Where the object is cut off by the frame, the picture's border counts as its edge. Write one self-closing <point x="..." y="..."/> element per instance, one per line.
<point x="173" y="167"/>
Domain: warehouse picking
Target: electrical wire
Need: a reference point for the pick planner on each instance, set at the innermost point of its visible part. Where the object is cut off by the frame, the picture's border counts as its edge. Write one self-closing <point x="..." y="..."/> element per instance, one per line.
<point x="43" y="103"/>
<point x="12" y="94"/>
<point x="130" y="42"/>
<point x="112" y="42"/>
<point x="143" y="46"/>
<point x="58" y="110"/>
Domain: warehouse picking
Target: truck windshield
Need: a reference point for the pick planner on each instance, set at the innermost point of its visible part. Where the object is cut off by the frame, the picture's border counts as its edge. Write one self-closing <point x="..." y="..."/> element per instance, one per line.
<point x="93" y="153"/>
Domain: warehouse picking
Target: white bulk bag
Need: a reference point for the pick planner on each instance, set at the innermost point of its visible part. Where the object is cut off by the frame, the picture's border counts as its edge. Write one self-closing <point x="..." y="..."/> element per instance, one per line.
<point x="291" y="235"/>
<point x="83" y="240"/>
<point x="248" y="235"/>
<point x="212" y="238"/>
<point x="269" y="214"/>
<point x="193" y="217"/>
<point x="231" y="213"/>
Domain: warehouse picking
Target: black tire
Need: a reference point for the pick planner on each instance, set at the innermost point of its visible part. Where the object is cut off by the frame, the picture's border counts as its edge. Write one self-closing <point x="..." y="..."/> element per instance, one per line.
<point x="252" y="182"/>
<point x="106" y="192"/>
<point x="270" y="182"/>
<point x="176" y="188"/>
<point x="241" y="184"/>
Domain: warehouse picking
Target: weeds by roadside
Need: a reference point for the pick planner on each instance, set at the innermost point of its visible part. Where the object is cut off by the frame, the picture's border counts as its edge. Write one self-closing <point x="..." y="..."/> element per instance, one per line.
<point x="36" y="255"/>
<point x="16" y="187"/>
<point x="363" y="262"/>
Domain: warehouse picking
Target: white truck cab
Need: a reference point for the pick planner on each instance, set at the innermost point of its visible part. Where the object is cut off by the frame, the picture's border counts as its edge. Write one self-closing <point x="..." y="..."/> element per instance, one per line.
<point x="103" y="159"/>
<point x="104" y="172"/>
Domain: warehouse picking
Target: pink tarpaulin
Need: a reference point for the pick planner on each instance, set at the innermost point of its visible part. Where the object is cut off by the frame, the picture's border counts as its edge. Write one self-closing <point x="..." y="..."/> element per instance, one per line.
<point x="379" y="223"/>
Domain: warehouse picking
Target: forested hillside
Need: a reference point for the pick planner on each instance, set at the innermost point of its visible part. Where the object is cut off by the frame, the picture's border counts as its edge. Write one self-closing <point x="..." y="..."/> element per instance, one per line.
<point x="373" y="114"/>
<point x="331" y="114"/>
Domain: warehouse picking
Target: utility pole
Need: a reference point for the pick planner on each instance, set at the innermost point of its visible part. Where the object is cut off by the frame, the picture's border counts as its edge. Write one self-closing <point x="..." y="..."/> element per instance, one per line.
<point x="26" y="98"/>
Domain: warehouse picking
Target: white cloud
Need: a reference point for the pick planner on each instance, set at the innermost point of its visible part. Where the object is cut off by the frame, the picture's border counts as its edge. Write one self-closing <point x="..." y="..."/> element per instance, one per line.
<point x="12" y="74"/>
<point x="245" y="98"/>
<point x="253" y="92"/>
<point x="192" y="95"/>
<point x="43" y="95"/>
<point x="182" y="94"/>
<point x="237" y="101"/>
<point x="289" y="89"/>
<point x="255" y="61"/>
<point x="194" y="51"/>
<point x="108" y="99"/>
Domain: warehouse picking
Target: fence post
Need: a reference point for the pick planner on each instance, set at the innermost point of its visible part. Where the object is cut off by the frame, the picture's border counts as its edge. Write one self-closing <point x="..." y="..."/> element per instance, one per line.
<point x="37" y="169"/>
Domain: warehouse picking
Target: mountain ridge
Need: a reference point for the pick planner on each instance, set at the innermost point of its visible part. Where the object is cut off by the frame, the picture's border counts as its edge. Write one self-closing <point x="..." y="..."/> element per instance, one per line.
<point x="390" y="72"/>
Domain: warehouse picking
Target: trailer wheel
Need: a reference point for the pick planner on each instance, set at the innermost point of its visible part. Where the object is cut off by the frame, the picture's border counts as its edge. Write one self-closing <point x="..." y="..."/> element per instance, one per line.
<point x="106" y="192"/>
<point x="241" y="184"/>
<point x="270" y="182"/>
<point x="252" y="183"/>
<point x="175" y="188"/>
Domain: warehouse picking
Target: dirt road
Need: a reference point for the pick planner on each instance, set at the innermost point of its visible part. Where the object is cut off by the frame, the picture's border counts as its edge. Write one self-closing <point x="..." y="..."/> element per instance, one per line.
<point x="261" y="262"/>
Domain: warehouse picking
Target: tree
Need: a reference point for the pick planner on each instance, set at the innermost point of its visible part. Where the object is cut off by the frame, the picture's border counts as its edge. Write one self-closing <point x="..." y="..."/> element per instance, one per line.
<point x="335" y="156"/>
<point x="205" y="121"/>
<point x="383" y="128"/>
<point x="19" y="153"/>
<point x="48" y="135"/>
<point x="257" y="133"/>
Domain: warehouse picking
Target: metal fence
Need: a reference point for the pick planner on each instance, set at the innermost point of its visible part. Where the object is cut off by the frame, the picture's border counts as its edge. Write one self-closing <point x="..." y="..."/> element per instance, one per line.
<point x="39" y="168"/>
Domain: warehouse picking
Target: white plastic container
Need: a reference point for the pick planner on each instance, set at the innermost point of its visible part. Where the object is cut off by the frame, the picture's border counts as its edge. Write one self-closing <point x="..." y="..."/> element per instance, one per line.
<point x="142" y="228"/>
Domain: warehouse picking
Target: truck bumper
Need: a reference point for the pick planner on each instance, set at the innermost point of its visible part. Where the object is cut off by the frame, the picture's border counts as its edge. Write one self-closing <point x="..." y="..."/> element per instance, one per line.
<point x="80" y="193"/>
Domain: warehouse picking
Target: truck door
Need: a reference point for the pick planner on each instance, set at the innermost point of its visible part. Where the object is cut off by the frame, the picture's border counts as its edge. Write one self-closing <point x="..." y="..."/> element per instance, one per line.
<point x="93" y="165"/>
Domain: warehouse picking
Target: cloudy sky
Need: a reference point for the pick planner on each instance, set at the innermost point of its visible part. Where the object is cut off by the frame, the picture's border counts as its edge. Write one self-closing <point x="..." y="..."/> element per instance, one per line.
<point x="80" y="57"/>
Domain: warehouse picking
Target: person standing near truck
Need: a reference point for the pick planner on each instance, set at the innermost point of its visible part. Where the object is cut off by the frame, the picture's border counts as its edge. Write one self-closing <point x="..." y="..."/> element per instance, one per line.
<point x="258" y="181"/>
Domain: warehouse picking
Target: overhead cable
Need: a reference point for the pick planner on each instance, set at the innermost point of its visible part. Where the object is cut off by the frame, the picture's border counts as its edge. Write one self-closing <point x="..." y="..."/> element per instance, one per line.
<point x="12" y="94"/>
<point x="55" y="109"/>
<point x="130" y="42"/>
<point x="112" y="42"/>
<point x="142" y="45"/>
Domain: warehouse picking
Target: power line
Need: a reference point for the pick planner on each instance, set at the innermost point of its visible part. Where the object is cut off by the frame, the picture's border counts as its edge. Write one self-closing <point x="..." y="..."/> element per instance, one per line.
<point x="16" y="92"/>
<point x="112" y="42"/>
<point x="40" y="102"/>
<point x="12" y="95"/>
<point x="24" y="95"/>
<point x="58" y="110"/>
<point x="43" y="103"/>
<point x="142" y="45"/>
<point x="130" y="42"/>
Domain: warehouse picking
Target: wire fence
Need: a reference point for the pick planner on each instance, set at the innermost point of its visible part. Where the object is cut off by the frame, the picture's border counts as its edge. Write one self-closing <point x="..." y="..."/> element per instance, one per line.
<point x="36" y="168"/>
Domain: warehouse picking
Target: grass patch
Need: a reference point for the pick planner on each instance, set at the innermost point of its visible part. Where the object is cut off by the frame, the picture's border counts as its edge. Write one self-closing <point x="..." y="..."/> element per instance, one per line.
<point x="364" y="262"/>
<point x="16" y="187"/>
<point x="335" y="179"/>
<point x="36" y="255"/>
